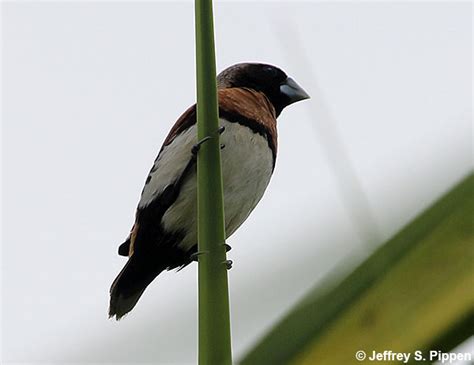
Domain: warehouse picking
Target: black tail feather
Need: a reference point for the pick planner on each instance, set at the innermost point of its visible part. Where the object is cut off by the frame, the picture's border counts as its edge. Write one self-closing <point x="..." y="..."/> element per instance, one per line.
<point x="130" y="284"/>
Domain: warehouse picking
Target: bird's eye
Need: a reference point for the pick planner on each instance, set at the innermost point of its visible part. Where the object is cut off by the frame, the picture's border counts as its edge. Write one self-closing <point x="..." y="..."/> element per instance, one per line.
<point x="270" y="71"/>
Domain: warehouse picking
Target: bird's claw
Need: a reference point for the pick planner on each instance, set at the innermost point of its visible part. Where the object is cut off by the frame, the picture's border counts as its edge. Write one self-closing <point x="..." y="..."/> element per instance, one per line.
<point x="197" y="146"/>
<point x="228" y="264"/>
<point x="195" y="256"/>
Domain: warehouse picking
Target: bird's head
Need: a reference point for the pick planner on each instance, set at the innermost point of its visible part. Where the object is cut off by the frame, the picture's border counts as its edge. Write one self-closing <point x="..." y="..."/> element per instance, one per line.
<point x="280" y="89"/>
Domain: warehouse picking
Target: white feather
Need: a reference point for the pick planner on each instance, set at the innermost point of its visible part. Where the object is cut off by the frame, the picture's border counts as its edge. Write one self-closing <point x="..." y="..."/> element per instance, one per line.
<point x="247" y="165"/>
<point x="169" y="165"/>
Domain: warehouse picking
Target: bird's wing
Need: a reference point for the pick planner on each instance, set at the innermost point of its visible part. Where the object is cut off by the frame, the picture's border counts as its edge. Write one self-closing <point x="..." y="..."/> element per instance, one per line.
<point x="174" y="156"/>
<point x="173" y="163"/>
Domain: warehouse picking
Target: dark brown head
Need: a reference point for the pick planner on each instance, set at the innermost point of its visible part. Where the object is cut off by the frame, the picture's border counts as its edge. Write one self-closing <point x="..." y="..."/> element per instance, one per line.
<point x="280" y="89"/>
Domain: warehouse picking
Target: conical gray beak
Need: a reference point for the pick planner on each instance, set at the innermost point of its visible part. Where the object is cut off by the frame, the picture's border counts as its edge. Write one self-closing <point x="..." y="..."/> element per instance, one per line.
<point x="294" y="91"/>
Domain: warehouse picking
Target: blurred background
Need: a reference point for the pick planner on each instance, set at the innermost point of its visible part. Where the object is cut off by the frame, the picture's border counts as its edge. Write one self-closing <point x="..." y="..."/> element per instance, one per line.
<point x="89" y="91"/>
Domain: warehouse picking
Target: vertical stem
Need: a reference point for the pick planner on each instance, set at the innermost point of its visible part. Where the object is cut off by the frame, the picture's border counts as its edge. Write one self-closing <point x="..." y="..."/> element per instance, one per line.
<point x="214" y="319"/>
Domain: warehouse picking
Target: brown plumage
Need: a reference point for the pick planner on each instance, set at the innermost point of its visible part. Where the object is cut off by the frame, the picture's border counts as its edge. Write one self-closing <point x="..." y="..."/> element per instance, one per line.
<point x="246" y="102"/>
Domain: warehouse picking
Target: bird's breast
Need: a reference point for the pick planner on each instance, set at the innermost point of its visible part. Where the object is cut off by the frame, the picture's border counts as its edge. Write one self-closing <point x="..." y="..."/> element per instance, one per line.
<point x="247" y="166"/>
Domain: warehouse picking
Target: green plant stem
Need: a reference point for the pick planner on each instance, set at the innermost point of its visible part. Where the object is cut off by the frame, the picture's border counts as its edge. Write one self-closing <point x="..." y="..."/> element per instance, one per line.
<point x="214" y="319"/>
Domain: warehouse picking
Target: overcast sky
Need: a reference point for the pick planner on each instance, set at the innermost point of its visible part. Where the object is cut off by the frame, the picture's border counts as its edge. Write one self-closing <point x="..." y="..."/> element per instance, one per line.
<point x="89" y="91"/>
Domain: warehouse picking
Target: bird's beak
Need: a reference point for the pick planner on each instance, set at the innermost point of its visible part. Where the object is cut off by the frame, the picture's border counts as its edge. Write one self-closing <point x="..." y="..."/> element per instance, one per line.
<point x="294" y="91"/>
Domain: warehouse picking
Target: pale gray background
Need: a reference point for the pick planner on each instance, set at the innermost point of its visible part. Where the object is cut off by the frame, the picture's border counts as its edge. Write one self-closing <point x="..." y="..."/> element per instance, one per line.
<point x="89" y="91"/>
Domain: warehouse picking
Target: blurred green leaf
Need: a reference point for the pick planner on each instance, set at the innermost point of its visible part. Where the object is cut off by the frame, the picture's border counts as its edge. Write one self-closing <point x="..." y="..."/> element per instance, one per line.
<point x="415" y="291"/>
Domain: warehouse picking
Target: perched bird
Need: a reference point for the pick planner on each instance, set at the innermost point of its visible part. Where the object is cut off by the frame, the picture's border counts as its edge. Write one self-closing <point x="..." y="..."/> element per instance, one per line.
<point x="251" y="96"/>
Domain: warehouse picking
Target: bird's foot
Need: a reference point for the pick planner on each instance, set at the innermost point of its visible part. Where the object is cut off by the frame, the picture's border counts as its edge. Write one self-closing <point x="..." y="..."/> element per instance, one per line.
<point x="228" y="264"/>
<point x="195" y="256"/>
<point x="195" y="149"/>
<point x="197" y="146"/>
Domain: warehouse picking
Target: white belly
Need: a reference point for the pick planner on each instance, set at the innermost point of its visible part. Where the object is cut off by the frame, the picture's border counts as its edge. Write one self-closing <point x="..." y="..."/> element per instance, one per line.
<point x="247" y="164"/>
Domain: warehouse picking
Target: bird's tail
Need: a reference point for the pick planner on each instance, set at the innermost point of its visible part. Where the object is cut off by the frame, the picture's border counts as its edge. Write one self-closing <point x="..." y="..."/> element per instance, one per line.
<point x="130" y="284"/>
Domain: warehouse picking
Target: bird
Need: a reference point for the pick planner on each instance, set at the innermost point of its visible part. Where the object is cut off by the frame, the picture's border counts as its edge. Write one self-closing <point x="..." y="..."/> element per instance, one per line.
<point x="164" y="235"/>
